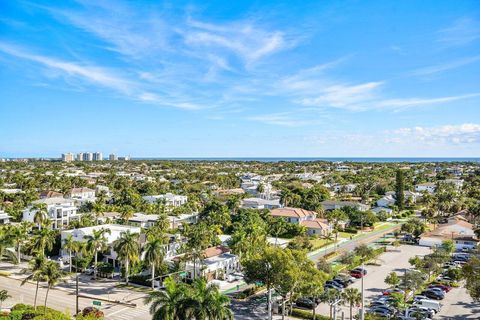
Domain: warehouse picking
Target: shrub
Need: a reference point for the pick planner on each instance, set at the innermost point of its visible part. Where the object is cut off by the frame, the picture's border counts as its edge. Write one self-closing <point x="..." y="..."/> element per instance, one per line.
<point x="303" y="314"/>
<point x="141" y="280"/>
<point x="92" y="312"/>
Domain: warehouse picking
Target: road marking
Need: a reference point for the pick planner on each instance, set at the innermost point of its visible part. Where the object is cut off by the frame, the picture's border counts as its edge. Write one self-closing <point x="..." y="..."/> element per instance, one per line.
<point x="114" y="313"/>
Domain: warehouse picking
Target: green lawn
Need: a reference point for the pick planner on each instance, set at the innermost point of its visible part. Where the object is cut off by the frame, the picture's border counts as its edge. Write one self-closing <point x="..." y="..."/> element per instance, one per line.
<point x="319" y="243"/>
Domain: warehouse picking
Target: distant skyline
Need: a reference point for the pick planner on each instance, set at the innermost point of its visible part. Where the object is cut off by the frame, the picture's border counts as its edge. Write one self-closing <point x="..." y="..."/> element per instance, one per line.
<point x="243" y="79"/>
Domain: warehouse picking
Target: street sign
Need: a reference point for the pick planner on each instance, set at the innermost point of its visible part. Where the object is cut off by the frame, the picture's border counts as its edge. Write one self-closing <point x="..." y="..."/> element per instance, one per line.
<point x="97" y="303"/>
<point x="183" y="274"/>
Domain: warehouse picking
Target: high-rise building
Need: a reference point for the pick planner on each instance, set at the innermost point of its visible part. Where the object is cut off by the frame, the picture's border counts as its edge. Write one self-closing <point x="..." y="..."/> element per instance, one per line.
<point x="126" y="158"/>
<point x="112" y="157"/>
<point x="97" y="156"/>
<point x="67" y="157"/>
<point x="88" y="156"/>
<point x="80" y="156"/>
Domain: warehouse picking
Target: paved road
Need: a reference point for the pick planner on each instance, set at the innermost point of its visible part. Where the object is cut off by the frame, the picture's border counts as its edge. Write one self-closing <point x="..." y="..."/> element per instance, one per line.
<point x="64" y="301"/>
<point x="349" y="245"/>
<point x="458" y="305"/>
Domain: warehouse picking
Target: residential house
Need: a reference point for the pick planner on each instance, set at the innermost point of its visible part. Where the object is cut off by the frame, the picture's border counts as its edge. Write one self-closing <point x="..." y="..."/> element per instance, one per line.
<point x="259" y="203"/>
<point x="218" y="263"/>
<point x="347" y="188"/>
<point x="83" y="194"/>
<point x="429" y="187"/>
<point x="82" y="234"/>
<point x="456" y="229"/>
<point x="60" y="211"/>
<point x="306" y="218"/>
<point x="171" y="200"/>
<point x="332" y="205"/>
<point x="180" y="220"/>
<point x="4" y="218"/>
<point x="457" y="183"/>
<point x="143" y="220"/>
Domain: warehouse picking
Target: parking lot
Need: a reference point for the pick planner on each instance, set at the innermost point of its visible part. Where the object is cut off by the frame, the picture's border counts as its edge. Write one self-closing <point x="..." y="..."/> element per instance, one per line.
<point x="457" y="304"/>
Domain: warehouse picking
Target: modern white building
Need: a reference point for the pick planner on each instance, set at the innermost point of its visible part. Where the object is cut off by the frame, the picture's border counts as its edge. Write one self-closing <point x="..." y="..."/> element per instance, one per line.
<point x="87" y="156"/>
<point x="178" y="221"/>
<point x="82" y="194"/>
<point x="260" y="203"/>
<point x="81" y="234"/>
<point x="332" y="205"/>
<point x="4" y="218"/>
<point x="112" y="157"/>
<point x="218" y="263"/>
<point x="428" y="187"/>
<point x="68" y="157"/>
<point x="97" y="156"/>
<point x="171" y="200"/>
<point x="60" y="211"/>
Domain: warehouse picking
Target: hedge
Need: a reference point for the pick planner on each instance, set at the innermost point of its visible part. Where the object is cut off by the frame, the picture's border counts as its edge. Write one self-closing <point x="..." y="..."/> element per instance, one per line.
<point x="303" y="314"/>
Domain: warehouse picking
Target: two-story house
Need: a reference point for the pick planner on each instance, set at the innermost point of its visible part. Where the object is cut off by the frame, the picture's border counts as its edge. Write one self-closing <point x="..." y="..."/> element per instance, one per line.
<point x="306" y="218"/>
<point x="60" y="211"/>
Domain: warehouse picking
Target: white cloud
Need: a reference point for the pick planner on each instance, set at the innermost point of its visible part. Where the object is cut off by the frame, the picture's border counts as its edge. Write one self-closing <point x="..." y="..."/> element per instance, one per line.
<point x="92" y="74"/>
<point x="462" y="32"/>
<point x="282" y="119"/>
<point x="431" y="70"/>
<point x="467" y="133"/>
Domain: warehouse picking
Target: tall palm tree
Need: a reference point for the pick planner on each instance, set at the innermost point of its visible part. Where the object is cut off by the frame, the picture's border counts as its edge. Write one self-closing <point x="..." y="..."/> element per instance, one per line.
<point x="168" y="304"/>
<point x="18" y="235"/>
<point x="352" y="297"/>
<point x="69" y="244"/>
<point x="35" y="267"/>
<point x="52" y="274"/>
<point x="43" y="240"/>
<point x="5" y="244"/>
<point x="41" y="214"/>
<point x="127" y="249"/>
<point x="208" y="302"/>
<point x="154" y="254"/>
<point x="95" y="243"/>
<point x="3" y="296"/>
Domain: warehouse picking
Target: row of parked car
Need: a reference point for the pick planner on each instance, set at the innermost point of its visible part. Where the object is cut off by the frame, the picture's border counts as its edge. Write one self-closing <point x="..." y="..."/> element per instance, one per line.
<point x="340" y="282"/>
<point x="423" y="306"/>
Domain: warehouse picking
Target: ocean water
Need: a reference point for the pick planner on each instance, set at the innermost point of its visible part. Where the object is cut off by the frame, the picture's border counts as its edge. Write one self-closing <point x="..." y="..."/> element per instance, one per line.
<point x="335" y="159"/>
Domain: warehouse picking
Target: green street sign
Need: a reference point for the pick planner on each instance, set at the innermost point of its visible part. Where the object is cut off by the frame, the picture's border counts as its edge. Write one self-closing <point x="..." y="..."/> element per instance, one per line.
<point x="97" y="303"/>
<point x="183" y="274"/>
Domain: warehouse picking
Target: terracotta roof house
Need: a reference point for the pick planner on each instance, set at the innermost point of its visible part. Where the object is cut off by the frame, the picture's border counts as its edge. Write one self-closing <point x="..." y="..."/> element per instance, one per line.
<point x="50" y="194"/>
<point x="306" y="218"/>
<point x="457" y="230"/>
<point x="218" y="263"/>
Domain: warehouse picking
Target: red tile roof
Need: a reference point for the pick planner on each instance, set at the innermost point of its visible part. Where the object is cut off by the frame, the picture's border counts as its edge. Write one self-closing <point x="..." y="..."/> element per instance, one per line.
<point x="292" y="212"/>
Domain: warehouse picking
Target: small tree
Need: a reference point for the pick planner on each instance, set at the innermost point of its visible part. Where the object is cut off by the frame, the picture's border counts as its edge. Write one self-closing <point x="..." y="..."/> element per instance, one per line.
<point x="399" y="190"/>
<point x="392" y="279"/>
<point x="448" y="246"/>
<point x="3" y="296"/>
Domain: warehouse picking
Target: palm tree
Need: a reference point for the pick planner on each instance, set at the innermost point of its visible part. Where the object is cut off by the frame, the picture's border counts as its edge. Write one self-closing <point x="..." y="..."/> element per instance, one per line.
<point x="5" y="245"/>
<point x="95" y="243"/>
<point x="154" y="254"/>
<point x="126" y="213"/>
<point x="18" y="235"/>
<point x="208" y="303"/>
<point x="41" y="214"/>
<point x="69" y="244"/>
<point x="35" y="267"/>
<point x="127" y="248"/>
<point x="330" y="296"/>
<point x="353" y="297"/>
<point x="168" y="304"/>
<point x="3" y="296"/>
<point x="43" y="240"/>
<point x="52" y="274"/>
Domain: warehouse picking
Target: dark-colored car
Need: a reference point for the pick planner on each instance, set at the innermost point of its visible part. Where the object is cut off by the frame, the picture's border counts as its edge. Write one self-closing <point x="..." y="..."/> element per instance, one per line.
<point x="337" y="283"/>
<point x="433" y="294"/>
<point x="362" y="270"/>
<point x="306" y="303"/>
<point x="333" y="286"/>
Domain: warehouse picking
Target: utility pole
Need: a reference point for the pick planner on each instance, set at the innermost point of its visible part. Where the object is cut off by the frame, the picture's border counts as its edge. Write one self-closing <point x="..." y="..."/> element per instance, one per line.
<point x="362" y="313"/>
<point x="77" y="310"/>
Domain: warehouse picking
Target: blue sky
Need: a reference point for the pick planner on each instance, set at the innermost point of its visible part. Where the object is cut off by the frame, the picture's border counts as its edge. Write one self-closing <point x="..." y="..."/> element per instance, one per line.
<point x="240" y="78"/>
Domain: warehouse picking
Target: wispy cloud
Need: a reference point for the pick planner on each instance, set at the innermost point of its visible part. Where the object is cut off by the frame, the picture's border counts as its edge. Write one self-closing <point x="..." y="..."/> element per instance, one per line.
<point x="431" y="70"/>
<point x="462" y="32"/>
<point x="285" y="119"/>
<point x="92" y="74"/>
<point x="467" y="133"/>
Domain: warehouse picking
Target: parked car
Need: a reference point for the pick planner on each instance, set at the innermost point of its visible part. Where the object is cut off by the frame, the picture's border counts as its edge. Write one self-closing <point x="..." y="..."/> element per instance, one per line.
<point x="393" y="290"/>
<point x="360" y="269"/>
<point x="346" y="278"/>
<point x="429" y="304"/>
<point x="306" y="303"/>
<point x="89" y="271"/>
<point x="332" y="286"/>
<point x="336" y="283"/>
<point x="445" y="288"/>
<point x="419" y="297"/>
<point x="434" y="294"/>
<point x="417" y="313"/>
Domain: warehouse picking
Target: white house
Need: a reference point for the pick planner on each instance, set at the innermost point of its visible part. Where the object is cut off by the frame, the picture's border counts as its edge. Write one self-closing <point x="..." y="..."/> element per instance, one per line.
<point x="332" y="205"/>
<point x="348" y="188"/>
<point x="4" y="218"/>
<point x="143" y="220"/>
<point x="60" y="211"/>
<point x="171" y="200"/>
<point x="178" y="221"/>
<point x="457" y="183"/>
<point x="386" y="201"/>
<point x="81" y="235"/>
<point x="82" y="194"/>
<point x="428" y="187"/>
<point x="217" y="263"/>
<point x="259" y="203"/>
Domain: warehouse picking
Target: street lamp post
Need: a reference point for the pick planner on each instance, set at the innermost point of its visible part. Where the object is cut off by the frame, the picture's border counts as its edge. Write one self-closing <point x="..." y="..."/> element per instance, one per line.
<point x="76" y="286"/>
<point x="362" y="313"/>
